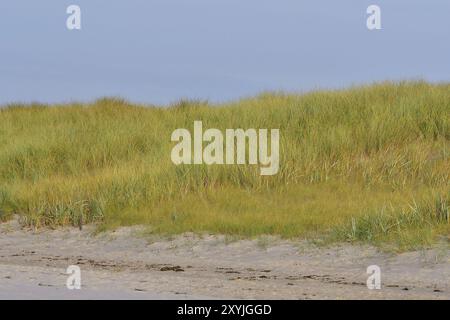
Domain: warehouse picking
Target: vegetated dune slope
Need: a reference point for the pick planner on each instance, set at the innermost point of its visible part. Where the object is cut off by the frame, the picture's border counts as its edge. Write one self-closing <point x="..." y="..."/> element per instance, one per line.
<point x="364" y="164"/>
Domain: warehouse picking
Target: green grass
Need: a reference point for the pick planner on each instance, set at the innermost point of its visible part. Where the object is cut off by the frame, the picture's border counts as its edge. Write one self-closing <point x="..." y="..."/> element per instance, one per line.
<point x="369" y="164"/>
<point x="405" y="229"/>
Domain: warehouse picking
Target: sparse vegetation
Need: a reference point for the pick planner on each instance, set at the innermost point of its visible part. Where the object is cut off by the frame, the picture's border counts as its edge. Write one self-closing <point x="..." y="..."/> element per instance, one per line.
<point x="416" y="225"/>
<point x="365" y="164"/>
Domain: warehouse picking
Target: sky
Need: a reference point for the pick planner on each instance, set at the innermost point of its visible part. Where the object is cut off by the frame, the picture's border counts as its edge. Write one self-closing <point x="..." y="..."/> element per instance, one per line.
<point x="160" y="51"/>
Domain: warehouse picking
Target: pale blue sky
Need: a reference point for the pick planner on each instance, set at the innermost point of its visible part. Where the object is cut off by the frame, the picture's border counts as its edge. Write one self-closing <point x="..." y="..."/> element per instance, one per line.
<point x="158" y="51"/>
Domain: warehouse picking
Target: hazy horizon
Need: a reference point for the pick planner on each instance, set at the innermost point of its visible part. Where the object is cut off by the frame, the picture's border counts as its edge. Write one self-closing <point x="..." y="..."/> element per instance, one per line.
<point x="163" y="50"/>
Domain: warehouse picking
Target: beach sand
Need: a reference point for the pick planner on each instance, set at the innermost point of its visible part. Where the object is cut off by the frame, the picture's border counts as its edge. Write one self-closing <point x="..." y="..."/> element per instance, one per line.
<point x="124" y="264"/>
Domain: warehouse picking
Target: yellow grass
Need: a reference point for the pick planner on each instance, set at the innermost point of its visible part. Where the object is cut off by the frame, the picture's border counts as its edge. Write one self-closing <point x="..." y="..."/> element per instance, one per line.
<point x="364" y="164"/>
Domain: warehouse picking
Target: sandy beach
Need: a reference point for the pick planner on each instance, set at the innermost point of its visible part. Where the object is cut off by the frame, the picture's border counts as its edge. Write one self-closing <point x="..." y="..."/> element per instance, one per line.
<point x="126" y="265"/>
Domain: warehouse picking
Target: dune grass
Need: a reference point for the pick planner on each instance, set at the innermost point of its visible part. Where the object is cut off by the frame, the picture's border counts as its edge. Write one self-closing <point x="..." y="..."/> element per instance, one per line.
<point x="368" y="164"/>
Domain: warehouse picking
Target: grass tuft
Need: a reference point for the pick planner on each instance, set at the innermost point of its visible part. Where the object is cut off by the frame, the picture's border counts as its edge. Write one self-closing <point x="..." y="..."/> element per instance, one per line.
<point x="416" y="226"/>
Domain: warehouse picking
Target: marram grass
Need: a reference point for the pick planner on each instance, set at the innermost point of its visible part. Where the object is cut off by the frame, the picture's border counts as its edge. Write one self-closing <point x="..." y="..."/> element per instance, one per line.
<point x="367" y="164"/>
